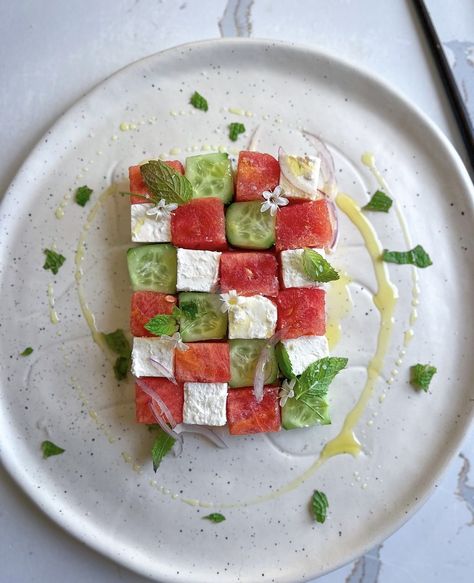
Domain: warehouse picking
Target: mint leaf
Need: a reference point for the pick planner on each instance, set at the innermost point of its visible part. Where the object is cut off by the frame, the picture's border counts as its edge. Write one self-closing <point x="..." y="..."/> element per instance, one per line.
<point x="161" y="446"/>
<point x="215" y="517"/>
<point x="416" y="256"/>
<point x="235" y="129"/>
<point x="27" y="351"/>
<point x="121" y="366"/>
<point x="317" y="268"/>
<point x="162" y="324"/>
<point x="198" y="101"/>
<point x="83" y="194"/>
<point x="165" y="183"/>
<point x="315" y="380"/>
<point x="53" y="260"/>
<point x="49" y="449"/>
<point x="421" y="375"/>
<point x="379" y="202"/>
<point x="283" y="360"/>
<point x="319" y="506"/>
<point x="118" y="342"/>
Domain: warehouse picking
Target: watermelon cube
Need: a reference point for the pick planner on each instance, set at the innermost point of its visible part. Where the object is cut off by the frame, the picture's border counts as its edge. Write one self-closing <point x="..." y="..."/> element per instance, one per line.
<point x="199" y="224"/>
<point x="138" y="186"/>
<point x="302" y="225"/>
<point x="249" y="273"/>
<point x="172" y="396"/>
<point x="256" y="173"/>
<point x="245" y="415"/>
<point x="301" y="312"/>
<point x="144" y="306"/>
<point x="206" y="362"/>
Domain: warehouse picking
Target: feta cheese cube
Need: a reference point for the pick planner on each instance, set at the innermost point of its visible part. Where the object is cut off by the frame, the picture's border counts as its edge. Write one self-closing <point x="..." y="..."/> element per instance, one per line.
<point x="305" y="350"/>
<point x="149" y="228"/>
<point x="252" y="317"/>
<point x="159" y="349"/>
<point x="299" y="176"/>
<point x="205" y="403"/>
<point x="292" y="271"/>
<point x="197" y="270"/>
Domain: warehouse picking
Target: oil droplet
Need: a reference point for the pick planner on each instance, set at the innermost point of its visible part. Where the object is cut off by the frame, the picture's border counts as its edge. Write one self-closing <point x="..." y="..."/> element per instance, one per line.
<point x="408" y="337"/>
<point x="124" y="127"/>
<point x="53" y="316"/>
<point x="236" y="110"/>
<point x="340" y="304"/>
<point x="175" y="151"/>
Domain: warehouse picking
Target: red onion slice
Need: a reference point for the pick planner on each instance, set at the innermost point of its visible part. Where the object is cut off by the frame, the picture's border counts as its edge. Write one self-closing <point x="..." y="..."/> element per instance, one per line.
<point x="259" y="377"/>
<point x="335" y="225"/>
<point x="287" y="178"/>
<point x="163" y="370"/>
<point x="204" y="431"/>
<point x="328" y="185"/>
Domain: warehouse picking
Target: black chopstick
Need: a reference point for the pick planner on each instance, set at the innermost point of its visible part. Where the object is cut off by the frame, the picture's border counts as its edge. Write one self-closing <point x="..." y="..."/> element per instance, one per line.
<point x="449" y="82"/>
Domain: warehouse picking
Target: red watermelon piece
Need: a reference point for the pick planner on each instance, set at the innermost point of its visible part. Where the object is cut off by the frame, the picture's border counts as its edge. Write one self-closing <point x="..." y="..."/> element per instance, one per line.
<point x="146" y="305"/>
<point x="249" y="273"/>
<point x="306" y="224"/>
<point x="301" y="312"/>
<point x="256" y="172"/>
<point x="172" y="396"/>
<point x="199" y="224"/>
<point x="137" y="184"/>
<point x="203" y="362"/>
<point x="245" y="415"/>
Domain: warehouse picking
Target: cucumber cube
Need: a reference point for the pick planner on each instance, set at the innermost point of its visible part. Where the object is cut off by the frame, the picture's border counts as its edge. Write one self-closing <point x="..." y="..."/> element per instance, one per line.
<point x="211" y="176"/>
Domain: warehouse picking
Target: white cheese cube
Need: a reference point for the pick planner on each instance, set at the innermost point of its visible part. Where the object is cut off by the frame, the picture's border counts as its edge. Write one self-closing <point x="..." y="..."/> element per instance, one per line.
<point x="205" y="403"/>
<point x="149" y="228"/>
<point x="197" y="270"/>
<point x="300" y="176"/>
<point x="158" y="349"/>
<point x="305" y="350"/>
<point x="252" y="317"/>
<point x="292" y="271"/>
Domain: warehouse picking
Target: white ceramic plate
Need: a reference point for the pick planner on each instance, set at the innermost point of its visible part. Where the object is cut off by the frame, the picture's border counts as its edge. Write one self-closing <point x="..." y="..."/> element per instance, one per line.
<point x="102" y="489"/>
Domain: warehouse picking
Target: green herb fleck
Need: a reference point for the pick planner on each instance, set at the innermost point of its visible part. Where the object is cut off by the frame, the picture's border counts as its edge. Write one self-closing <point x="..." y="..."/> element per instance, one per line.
<point x="379" y="202"/>
<point x="421" y="375"/>
<point x="118" y="342"/>
<point x="215" y="517"/>
<point x="198" y="101"/>
<point x="53" y="260"/>
<point x="121" y="366"/>
<point x="319" y="506"/>
<point x="235" y="129"/>
<point x="165" y="183"/>
<point x="49" y="449"/>
<point x="161" y="446"/>
<point x="27" y="351"/>
<point x="162" y="324"/>
<point x="83" y="194"/>
<point x="317" y="268"/>
<point x="416" y="256"/>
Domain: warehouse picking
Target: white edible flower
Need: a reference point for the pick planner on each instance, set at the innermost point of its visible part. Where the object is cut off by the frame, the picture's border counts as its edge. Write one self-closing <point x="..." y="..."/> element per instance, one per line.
<point x="176" y="341"/>
<point x="286" y="391"/>
<point x="229" y="299"/>
<point x="162" y="209"/>
<point x="273" y="200"/>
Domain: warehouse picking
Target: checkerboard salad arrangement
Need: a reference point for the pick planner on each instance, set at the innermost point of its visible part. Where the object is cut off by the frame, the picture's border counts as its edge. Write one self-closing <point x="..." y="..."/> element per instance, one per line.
<point x="228" y="308"/>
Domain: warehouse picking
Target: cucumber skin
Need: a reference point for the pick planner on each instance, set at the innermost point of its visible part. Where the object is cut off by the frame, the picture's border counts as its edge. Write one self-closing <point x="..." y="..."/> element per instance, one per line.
<point x="231" y="227"/>
<point x="189" y="335"/>
<point x="228" y="192"/>
<point x="236" y="381"/>
<point x="133" y="252"/>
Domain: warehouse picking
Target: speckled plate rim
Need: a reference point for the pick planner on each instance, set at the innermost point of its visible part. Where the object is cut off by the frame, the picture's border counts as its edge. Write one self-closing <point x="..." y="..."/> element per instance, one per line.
<point x="69" y="523"/>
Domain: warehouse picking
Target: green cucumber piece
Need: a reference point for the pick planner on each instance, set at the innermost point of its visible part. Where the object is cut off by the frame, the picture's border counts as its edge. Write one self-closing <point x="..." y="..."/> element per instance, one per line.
<point x="296" y="414"/>
<point x="284" y="362"/>
<point x="201" y="317"/>
<point x="244" y="356"/>
<point x="247" y="227"/>
<point x="153" y="268"/>
<point x="211" y="176"/>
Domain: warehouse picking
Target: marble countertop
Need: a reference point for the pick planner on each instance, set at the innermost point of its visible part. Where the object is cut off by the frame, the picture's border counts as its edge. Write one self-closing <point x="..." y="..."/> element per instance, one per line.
<point x="56" y="51"/>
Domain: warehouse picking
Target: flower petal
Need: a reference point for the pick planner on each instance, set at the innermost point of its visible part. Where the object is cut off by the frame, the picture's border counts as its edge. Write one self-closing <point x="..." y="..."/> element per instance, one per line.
<point x="265" y="206"/>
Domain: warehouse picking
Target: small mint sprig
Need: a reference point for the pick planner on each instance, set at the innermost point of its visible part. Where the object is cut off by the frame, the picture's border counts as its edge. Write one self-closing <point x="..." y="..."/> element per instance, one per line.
<point x="319" y="506"/>
<point x="165" y="183"/>
<point x="53" y="260"/>
<point x="317" y="268"/>
<point x="416" y="256"/>
<point x="161" y="446"/>
<point x="379" y="202"/>
<point x="421" y="375"/>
